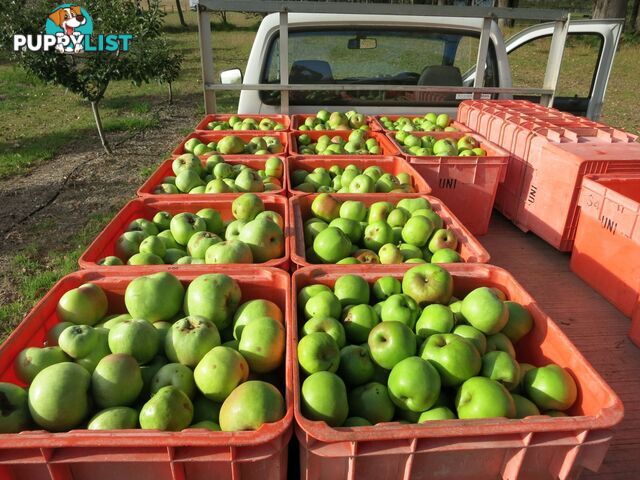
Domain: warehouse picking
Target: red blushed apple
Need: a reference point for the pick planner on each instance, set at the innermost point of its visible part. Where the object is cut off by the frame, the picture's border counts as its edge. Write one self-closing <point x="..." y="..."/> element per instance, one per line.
<point x="443" y="238"/>
<point x="325" y="207"/>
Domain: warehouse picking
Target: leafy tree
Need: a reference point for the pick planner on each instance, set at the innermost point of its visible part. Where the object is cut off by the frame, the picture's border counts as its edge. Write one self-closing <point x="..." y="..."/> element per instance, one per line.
<point x="89" y="74"/>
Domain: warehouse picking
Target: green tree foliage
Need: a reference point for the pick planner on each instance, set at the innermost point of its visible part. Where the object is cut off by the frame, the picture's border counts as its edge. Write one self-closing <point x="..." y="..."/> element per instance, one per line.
<point x="88" y="74"/>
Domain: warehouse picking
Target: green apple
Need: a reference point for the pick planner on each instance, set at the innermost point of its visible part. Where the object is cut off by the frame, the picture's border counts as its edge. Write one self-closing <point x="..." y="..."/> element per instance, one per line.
<point x="524" y="369"/>
<point x="400" y="308"/>
<point x="33" y="360"/>
<point x="184" y="225"/>
<point x="436" y="220"/>
<point x="428" y="284"/>
<point x="410" y="251"/>
<point x="481" y="397"/>
<point x="355" y="367"/>
<point x="205" y="409"/>
<point x="455" y="358"/>
<point x="351" y="228"/>
<point x="153" y="245"/>
<point x="500" y="342"/>
<point x="362" y="184"/>
<point x="189" y="339"/>
<point x="325" y="207"/>
<point x="324" y="398"/>
<point x="143" y="225"/>
<point x="358" y="321"/>
<point x="386" y="286"/>
<point x="311" y="228"/>
<point x="219" y="372"/>
<point x="353" y="210"/>
<point x="391" y="342"/>
<point x="417" y="231"/>
<point x="168" y="410"/>
<point x="213" y="296"/>
<point x="356" y="422"/>
<point x="274" y="167"/>
<point x="443" y="238"/>
<point x="168" y="240"/>
<point x="247" y="206"/>
<point x="485" y="311"/>
<point x="398" y="217"/>
<point x="249" y="181"/>
<point x="250" y="406"/>
<point x="262" y="344"/>
<point x="116" y="381"/>
<point x="230" y="251"/>
<point x="114" y="418"/>
<point x="323" y="304"/>
<point x="100" y="351"/>
<point x="135" y="337"/>
<point x="110" y="261"/>
<point x="376" y="234"/>
<point x="177" y="375"/>
<point x="127" y="244"/>
<point x="59" y="396"/>
<point x="15" y="408"/>
<point x="54" y="333"/>
<point x="328" y="325"/>
<point x="254" y="309"/>
<point x="437" y="413"/>
<point x="501" y="367"/>
<point x="351" y="290"/>
<point x="524" y="406"/>
<point x="145" y="259"/>
<point x="371" y="402"/>
<point x="413" y="204"/>
<point x="332" y="245"/>
<point x="154" y="297"/>
<point x="78" y="341"/>
<point x="446" y="255"/>
<point x="213" y="219"/>
<point x="309" y="291"/>
<point x="414" y="384"/>
<point x="199" y="243"/>
<point x="264" y="238"/>
<point x="390" y="254"/>
<point x="475" y="336"/>
<point x="84" y="305"/>
<point x="551" y="387"/>
<point x="186" y="161"/>
<point x="379" y="211"/>
<point x="318" y="352"/>
<point x="188" y="179"/>
<point x="519" y="323"/>
<point x="434" y="319"/>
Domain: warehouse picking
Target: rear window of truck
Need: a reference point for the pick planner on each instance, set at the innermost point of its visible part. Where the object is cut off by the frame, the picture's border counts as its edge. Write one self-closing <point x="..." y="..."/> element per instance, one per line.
<point x="372" y="57"/>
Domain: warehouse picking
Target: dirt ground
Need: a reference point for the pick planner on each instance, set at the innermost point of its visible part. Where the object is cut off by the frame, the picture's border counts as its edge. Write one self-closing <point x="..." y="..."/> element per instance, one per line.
<point x="47" y="208"/>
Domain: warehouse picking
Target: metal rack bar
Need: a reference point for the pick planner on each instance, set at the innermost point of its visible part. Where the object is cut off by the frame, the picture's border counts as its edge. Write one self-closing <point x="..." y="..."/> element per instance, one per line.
<point x="554" y="61"/>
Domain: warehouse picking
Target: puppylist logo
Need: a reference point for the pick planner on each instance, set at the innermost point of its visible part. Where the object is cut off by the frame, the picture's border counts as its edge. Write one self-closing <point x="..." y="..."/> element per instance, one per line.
<point x="69" y="29"/>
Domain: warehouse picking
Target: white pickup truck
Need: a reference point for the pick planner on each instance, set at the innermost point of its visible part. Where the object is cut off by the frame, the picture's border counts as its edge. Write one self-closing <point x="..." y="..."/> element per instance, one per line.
<point x="409" y="50"/>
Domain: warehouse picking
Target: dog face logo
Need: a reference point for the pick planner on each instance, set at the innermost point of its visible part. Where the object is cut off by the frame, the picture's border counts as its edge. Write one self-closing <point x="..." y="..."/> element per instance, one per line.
<point x="71" y="21"/>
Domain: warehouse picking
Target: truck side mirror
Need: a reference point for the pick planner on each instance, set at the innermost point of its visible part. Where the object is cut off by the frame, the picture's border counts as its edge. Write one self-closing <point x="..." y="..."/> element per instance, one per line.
<point x="231" y="77"/>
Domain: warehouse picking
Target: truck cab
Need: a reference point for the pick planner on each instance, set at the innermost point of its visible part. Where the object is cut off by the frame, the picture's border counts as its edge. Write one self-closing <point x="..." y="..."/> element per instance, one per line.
<point x="403" y="50"/>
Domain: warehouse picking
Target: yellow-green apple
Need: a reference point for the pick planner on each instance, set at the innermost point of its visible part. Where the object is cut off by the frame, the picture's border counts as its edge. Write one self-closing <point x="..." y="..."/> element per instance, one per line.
<point x="417" y="231"/>
<point x="358" y="320"/>
<point x="427" y="284"/>
<point x="54" y="333"/>
<point x="309" y="291"/>
<point x="184" y="225"/>
<point x="413" y="204"/>
<point x="389" y="254"/>
<point x="186" y="161"/>
<point x="59" y="396"/>
<point x="154" y="297"/>
<point x="254" y="309"/>
<point x="391" y="342"/>
<point x="116" y="381"/>
<point x="78" y="341"/>
<point x="213" y="296"/>
<point x="353" y="210"/>
<point x="250" y="406"/>
<point x="481" y="397"/>
<point x="501" y="367"/>
<point x="32" y="360"/>
<point x="249" y="181"/>
<point x="332" y="245"/>
<point x="136" y="337"/>
<point x="362" y="184"/>
<point x="162" y="220"/>
<point x="356" y="367"/>
<point x="376" y="234"/>
<point x="318" y="352"/>
<point x="176" y="374"/>
<point x="328" y="325"/>
<point x="247" y="206"/>
<point x="446" y="255"/>
<point x="230" y="251"/>
<point x="437" y="413"/>
<point x="475" y="336"/>
<point x="443" y="238"/>
<point x="213" y="219"/>
<point x="325" y="207"/>
<point x="322" y="304"/>
<point x="434" y="319"/>
<point x="84" y="305"/>
<point x="371" y="401"/>
<point x="324" y="398"/>
<point x="551" y="387"/>
<point x="114" y="418"/>
<point x="145" y="259"/>
<point x="520" y="322"/>
<point x="436" y="219"/>
<point x="143" y="225"/>
<point x="485" y="311"/>
<point x="262" y="344"/>
<point x="379" y="211"/>
<point x="414" y="384"/>
<point x="274" y="167"/>
<point x="398" y="217"/>
<point x="168" y="410"/>
<point x="188" y="179"/>
<point x="219" y="372"/>
<point x="199" y="243"/>
<point x="264" y="238"/>
<point x="386" y="183"/>
<point x="351" y="290"/>
<point x="455" y="358"/>
<point x="189" y="339"/>
<point x="400" y="308"/>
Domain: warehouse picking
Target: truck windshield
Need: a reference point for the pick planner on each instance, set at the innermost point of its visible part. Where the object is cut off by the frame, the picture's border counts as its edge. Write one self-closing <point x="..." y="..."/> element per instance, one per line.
<point x="376" y="56"/>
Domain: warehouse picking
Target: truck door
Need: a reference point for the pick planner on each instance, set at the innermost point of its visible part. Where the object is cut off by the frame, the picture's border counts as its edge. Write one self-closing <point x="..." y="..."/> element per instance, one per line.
<point x="586" y="64"/>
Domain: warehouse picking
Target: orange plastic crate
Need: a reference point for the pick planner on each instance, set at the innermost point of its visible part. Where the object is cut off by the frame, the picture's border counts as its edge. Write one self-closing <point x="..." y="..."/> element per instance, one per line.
<point x="469" y="248"/>
<point x="202" y="126"/>
<point x="298" y="120"/>
<point x="467" y="185"/>
<point x="386" y="145"/>
<point x="606" y="252"/>
<point x="379" y="127"/>
<point x="536" y="447"/>
<point x="145" y="454"/>
<point x="212" y="135"/>
<point x="256" y="162"/>
<point x="104" y="243"/>
<point x="393" y="165"/>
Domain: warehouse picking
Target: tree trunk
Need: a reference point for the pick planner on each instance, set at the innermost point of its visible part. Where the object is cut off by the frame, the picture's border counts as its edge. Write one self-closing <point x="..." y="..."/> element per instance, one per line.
<point x="634" y="21"/>
<point x="96" y="117"/>
<point x="170" y="94"/>
<point x="506" y="22"/>
<point x="180" y="15"/>
<point x="609" y="9"/>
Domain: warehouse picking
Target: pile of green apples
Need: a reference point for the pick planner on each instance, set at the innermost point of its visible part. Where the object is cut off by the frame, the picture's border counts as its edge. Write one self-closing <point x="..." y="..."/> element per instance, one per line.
<point x="234" y="145"/>
<point x="325" y="120"/>
<point x="431" y="122"/>
<point x="237" y="123"/>
<point x="255" y="235"/>
<point x="350" y="179"/>
<point x="356" y="144"/>
<point x="162" y="365"/>
<point x="408" y="351"/>
<point x="190" y="175"/>
<point x="350" y="233"/>
<point x="427" y="146"/>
